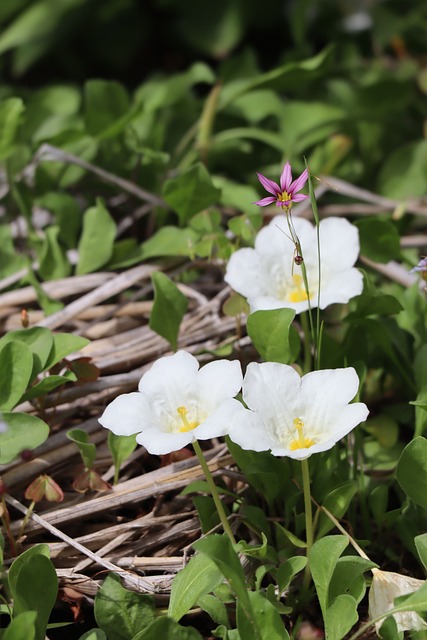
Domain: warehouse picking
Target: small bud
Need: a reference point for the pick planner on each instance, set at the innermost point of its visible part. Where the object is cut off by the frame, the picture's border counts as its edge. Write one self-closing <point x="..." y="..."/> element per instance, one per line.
<point x="90" y="479"/>
<point x="26" y="455"/>
<point x="25" y="318"/>
<point x="298" y="259"/>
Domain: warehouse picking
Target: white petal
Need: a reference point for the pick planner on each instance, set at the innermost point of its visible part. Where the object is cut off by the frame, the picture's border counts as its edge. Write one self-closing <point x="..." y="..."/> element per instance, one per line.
<point x="159" y="443"/>
<point x="340" y="287"/>
<point x="249" y="432"/>
<point x="244" y="272"/>
<point x="217" y="381"/>
<point x="171" y="379"/>
<point x="339" y="243"/>
<point x="385" y="587"/>
<point x="264" y="303"/>
<point x="220" y="422"/>
<point x="270" y="388"/>
<point x="127" y="414"/>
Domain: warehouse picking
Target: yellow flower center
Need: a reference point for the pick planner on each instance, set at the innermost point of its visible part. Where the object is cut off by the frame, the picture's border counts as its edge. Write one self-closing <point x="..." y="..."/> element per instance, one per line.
<point x="301" y="442"/>
<point x="286" y="200"/>
<point x="298" y="292"/>
<point x="187" y="425"/>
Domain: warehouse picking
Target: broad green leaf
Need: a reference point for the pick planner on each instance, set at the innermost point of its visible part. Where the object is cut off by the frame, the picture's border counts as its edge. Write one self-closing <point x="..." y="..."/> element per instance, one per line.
<point x="167" y="629"/>
<point x="288" y="570"/>
<point x="10" y="260"/>
<point x="273" y="335"/>
<point x="170" y="241"/>
<point x="120" y="613"/>
<point x="35" y="589"/>
<point x="340" y="617"/>
<point x="67" y="215"/>
<point x="199" y="577"/>
<point x="105" y="102"/>
<point x="94" y="634"/>
<point x="379" y="239"/>
<point x="404" y="172"/>
<point x="22" y="559"/>
<point x="24" y="432"/>
<point x="215" y="609"/>
<point x="190" y="192"/>
<point x="16" y="366"/>
<point x="63" y="345"/>
<point x="168" y="309"/>
<point x="39" y="340"/>
<point x="96" y="243"/>
<point x="48" y="384"/>
<point x="411" y="472"/>
<point x="54" y="263"/>
<point x="22" y="627"/>
<point x="87" y="449"/>
<point x="268" y="618"/>
<point x="348" y="577"/>
<point x="11" y="111"/>
<point x="322" y="560"/>
<point x="421" y="545"/>
<point x="219" y="549"/>
<point x="337" y="502"/>
<point x="121" y="448"/>
<point x="416" y="601"/>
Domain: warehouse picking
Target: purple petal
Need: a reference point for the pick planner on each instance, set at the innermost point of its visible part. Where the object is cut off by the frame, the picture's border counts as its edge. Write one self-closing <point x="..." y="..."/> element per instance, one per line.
<point x="286" y="177"/>
<point x="299" y="197"/>
<point x="298" y="184"/>
<point x="265" y="201"/>
<point x="269" y="185"/>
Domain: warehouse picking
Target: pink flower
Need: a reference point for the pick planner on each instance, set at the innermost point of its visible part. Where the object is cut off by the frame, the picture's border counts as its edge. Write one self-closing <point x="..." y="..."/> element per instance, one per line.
<point x="285" y="194"/>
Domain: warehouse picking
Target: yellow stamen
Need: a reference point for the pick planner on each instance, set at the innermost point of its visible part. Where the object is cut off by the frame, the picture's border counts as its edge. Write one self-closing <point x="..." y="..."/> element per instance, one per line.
<point x="298" y="294"/>
<point x="301" y="442"/>
<point x="188" y="426"/>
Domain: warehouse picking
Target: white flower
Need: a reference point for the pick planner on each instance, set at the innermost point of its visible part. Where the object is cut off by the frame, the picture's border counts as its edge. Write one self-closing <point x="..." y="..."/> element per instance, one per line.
<point x="296" y="416"/>
<point x="268" y="277"/>
<point x="177" y="403"/>
<point x="385" y="587"/>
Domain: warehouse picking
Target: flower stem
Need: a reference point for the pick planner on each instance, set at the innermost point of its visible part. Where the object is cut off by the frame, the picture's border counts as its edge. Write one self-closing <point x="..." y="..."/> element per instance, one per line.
<point x="308" y="515"/>
<point x="214" y="491"/>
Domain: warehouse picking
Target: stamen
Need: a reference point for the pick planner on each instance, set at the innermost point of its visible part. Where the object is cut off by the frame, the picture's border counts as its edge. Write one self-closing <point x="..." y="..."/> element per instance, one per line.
<point x="301" y="442"/>
<point x="188" y="426"/>
<point x="298" y="294"/>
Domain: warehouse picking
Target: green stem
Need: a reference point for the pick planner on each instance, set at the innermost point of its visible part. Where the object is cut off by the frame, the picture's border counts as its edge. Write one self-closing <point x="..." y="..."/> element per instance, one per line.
<point x="307" y="342"/>
<point x="214" y="492"/>
<point x="308" y="515"/>
<point x="27" y="517"/>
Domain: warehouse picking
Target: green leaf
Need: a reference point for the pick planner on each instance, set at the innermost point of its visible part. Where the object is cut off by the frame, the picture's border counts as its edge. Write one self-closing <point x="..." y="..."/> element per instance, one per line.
<point x="170" y="241"/>
<point x="404" y="173"/>
<point x="39" y="340"/>
<point x="24" y="432"/>
<point x="272" y="335"/>
<point x="63" y="345"/>
<point x="67" y="216"/>
<point x="379" y="239"/>
<point x="94" y="634"/>
<point x="22" y="627"/>
<point x="97" y="240"/>
<point x="416" y="601"/>
<point x="35" y="587"/>
<point x="168" y="309"/>
<point x="337" y="502"/>
<point x="411" y="472"/>
<point x="47" y="304"/>
<point x="340" y="617"/>
<point x="167" y="629"/>
<point x="421" y="545"/>
<point x="120" y="613"/>
<point x="48" y="384"/>
<point x="348" y="577"/>
<point x="87" y="449"/>
<point x="199" y="577"/>
<point x="54" y="263"/>
<point x="121" y="448"/>
<point x="11" y="111"/>
<point x="219" y="549"/>
<point x="105" y="103"/>
<point x="290" y="568"/>
<point x="190" y="192"/>
<point x="215" y="609"/>
<point x="322" y="560"/>
<point x="268" y="618"/>
<point x="16" y="366"/>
